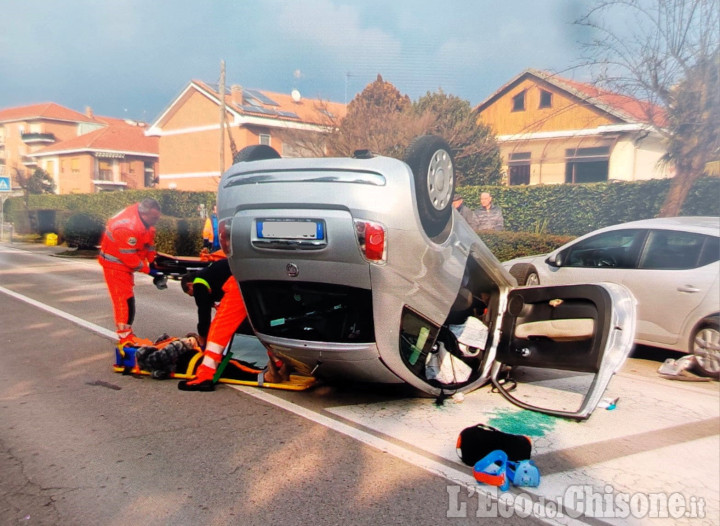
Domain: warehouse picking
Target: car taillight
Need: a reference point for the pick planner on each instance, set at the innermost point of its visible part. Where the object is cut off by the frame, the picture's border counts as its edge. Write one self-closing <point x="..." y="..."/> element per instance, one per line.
<point x="224" y="228"/>
<point x="372" y="240"/>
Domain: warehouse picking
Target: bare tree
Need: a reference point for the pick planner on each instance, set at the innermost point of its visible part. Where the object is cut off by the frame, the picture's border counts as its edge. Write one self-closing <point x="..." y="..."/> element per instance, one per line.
<point x="665" y="52"/>
<point x="304" y="143"/>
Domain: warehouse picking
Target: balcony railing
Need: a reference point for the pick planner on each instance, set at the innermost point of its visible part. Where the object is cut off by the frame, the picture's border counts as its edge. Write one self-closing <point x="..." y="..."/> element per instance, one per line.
<point x="38" y="137"/>
<point x="28" y="161"/>
<point x="104" y="175"/>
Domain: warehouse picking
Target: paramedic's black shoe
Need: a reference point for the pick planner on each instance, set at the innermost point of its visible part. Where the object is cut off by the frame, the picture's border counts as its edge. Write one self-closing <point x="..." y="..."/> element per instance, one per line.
<point x="194" y="385"/>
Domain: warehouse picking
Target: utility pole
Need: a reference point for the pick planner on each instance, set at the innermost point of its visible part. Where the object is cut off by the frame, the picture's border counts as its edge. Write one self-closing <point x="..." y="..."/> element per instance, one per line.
<point x="222" y="116"/>
<point x="347" y="76"/>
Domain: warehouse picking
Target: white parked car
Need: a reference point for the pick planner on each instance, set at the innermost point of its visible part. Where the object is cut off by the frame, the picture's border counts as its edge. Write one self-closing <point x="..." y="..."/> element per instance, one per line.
<point x="671" y="265"/>
<point x="360" y="268"/>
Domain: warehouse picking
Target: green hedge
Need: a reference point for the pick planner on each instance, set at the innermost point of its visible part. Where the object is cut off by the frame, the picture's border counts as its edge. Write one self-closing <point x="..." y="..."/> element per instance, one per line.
<point x="578" y="209"/>
<point x="106" y="204"/>
<point x="560" y="210"/>
<point x="82" y="230"/>
<point x="508" y="245"/>
<point x="177" y="236"/>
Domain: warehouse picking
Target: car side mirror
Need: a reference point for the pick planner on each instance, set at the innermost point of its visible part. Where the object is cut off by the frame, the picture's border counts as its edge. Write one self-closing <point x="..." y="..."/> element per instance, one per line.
<point x="554" y="260"/>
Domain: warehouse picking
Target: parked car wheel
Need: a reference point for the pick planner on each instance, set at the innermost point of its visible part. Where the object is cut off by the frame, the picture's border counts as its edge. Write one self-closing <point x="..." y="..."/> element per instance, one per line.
<point x="705" y="345"/>
<point x="525" y="274"/>
<point x="256" y="152"/>
<point x="431" y="162"/>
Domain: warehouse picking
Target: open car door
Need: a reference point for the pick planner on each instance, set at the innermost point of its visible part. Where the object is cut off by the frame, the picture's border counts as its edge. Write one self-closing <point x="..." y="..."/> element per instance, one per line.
<point x="563" y="344"/>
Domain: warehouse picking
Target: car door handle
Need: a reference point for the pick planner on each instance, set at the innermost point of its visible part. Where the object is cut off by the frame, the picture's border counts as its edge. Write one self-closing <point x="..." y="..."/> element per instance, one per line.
<point x="688" y="288"/>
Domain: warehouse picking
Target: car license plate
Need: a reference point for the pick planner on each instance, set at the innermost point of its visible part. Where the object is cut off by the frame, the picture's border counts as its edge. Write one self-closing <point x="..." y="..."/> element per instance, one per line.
<point x="310" y="229"/>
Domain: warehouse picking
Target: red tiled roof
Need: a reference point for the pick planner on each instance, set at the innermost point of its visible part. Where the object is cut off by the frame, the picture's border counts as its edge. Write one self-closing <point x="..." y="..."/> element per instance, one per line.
<point x="634" y="109"/>
<point x="46" y="110"/>
<point x="117" y="136"/>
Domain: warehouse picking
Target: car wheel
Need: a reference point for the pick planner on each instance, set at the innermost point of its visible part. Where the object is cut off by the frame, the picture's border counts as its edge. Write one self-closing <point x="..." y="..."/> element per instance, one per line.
<point x="705" y="345"/>
<point x="256" y="152"/>
<point x="525" y="274"/>
<point x="431" y="162"/>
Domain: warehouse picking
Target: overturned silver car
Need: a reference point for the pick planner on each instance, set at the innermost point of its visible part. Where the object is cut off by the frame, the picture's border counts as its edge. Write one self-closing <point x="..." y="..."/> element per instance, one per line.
<point x="360" y="268"/>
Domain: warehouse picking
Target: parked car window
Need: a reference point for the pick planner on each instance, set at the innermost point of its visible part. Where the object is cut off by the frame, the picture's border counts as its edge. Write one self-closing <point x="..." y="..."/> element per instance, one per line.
<point x="609" y="249"/>
<point x="711" y="251"/>
<point x="670" y="249"/>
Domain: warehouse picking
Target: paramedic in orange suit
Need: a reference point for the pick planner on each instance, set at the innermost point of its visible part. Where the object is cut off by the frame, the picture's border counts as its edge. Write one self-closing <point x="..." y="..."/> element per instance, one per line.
<point x="230" y="314"/>
<point x="128" y="246"/>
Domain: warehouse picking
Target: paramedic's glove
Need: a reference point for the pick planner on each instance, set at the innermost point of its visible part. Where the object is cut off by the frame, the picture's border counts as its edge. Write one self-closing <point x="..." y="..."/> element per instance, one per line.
<point x="153" y="271"/>
<point x="159" y="280"/>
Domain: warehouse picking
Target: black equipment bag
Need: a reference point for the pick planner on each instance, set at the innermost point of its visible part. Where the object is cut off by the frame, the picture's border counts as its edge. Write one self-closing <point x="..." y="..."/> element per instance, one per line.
<point x="477" y="441"/>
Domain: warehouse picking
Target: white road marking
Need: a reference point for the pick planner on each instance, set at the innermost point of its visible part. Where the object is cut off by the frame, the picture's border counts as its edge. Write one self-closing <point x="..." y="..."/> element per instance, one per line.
<point x="453" y="475"/>
<point x="62" y="314"/>
<point x="646" y="407"/>
<point x="465" y="479"/>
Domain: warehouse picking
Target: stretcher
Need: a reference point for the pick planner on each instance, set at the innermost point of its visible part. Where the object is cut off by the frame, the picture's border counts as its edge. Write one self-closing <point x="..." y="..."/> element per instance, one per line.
<point x="243" y="363"/>
<point x="243" y="353"/>
<point x="175" y="267"/>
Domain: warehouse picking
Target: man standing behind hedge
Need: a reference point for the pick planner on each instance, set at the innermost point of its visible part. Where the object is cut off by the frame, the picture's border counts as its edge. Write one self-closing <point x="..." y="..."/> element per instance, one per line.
<point x="128" y="246"/>
<point x="488" y="216"/>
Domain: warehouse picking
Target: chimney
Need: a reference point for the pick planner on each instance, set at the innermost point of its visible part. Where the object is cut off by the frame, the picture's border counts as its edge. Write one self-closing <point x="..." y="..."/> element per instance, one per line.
<point x="236" y="93"/>
<point x="88" y="112"/>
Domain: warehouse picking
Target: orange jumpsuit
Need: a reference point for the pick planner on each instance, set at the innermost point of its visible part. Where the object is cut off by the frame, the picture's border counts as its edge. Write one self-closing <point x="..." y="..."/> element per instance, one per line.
<point x="230" y="314"/>
<point x="127" y="246"/>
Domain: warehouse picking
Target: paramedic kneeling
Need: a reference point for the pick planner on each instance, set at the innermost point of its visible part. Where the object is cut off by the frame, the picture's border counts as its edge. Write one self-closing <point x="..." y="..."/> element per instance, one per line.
<point x="128" y="246"/>
<point x="230" y="314"/>
<point x="206" y="288"/>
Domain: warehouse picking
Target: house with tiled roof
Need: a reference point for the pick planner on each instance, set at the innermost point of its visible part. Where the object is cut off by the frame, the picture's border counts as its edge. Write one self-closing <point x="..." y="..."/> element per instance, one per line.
<point x="554" y="130"/>
<point x="82" y="152"/>
<point x="191" y="134"/>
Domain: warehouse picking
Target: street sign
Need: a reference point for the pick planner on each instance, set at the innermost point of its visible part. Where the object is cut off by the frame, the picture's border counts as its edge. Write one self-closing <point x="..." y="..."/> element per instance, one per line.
<point x="5" y="184"/>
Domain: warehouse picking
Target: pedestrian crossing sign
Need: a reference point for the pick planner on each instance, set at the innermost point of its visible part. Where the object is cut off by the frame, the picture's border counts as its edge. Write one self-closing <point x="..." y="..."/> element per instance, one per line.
<point x="5" y="184"/>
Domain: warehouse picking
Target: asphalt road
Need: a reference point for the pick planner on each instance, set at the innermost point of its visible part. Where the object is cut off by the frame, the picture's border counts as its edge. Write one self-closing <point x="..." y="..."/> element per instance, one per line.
<point x="82" y="445"/>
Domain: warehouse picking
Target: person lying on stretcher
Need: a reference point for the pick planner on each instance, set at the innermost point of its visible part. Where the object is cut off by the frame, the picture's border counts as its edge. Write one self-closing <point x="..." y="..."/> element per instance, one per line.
<point x="163" y="358"/>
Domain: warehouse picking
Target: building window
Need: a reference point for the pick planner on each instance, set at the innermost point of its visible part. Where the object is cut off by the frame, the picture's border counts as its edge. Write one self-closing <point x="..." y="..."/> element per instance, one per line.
<point x="545" y="99"/>
<point x="75" y="165"/>
<point x="519" y="101"/>
<point x="587" y="165"/>
<point x="149" y="174"/>
<point x="105" y="171"/>
<point x="519" y="168"/>
<point x="264" y="138"/>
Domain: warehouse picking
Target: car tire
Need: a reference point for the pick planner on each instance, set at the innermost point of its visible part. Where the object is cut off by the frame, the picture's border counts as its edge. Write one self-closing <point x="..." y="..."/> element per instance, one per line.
<point x="256" y="152"/>
<point x="525" y="274"/>
<point x="431" y="162"/>
<point x="705" y="345"/>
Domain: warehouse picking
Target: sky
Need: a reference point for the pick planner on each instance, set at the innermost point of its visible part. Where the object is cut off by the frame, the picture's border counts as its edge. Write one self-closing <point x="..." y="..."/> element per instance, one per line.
<point x="131" y="58"/>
